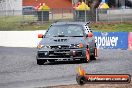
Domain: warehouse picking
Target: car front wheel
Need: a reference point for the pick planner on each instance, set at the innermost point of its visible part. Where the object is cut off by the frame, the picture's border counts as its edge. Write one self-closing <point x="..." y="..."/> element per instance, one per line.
<point x="92" y="57"/>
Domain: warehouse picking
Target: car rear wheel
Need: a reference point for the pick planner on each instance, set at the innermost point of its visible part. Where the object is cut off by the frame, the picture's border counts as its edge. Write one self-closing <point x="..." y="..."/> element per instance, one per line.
<point x="40" y="62"/>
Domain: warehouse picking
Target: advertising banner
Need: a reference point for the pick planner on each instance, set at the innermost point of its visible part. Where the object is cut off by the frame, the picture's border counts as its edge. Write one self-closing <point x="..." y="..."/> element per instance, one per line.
<point x="111" y="40"/>
<point x="130" y="41"/>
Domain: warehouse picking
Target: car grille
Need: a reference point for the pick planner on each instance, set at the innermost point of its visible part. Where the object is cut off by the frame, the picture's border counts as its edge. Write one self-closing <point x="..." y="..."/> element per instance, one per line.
<point x="55" y="54"/>
<point x="62" y="51"/>
<point x="60" y="47"/>
<point x="59" y="54"/>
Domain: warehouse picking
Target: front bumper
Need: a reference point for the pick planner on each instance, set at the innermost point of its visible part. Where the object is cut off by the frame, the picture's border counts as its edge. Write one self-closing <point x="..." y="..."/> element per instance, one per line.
<point x="73" y="54"/>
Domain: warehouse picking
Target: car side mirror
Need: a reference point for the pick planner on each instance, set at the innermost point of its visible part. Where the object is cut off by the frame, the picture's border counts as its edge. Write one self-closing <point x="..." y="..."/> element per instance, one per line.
<point x="40" y="35"/>
<point x="90" y="34"/>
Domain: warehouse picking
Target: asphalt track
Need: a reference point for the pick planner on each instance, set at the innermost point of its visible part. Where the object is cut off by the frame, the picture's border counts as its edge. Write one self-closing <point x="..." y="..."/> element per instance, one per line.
<point x="18" y="68"/>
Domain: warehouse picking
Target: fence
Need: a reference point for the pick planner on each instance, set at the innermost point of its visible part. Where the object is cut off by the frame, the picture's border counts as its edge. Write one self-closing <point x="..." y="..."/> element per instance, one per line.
<point x="110" y="15"/>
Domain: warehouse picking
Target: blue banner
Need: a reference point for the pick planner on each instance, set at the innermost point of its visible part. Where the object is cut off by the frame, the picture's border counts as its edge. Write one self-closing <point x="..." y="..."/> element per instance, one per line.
<point x="111" y="40"/>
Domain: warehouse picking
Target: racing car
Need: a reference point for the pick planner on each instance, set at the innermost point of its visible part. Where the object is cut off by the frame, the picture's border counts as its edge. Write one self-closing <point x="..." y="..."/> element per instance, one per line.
<point x="65" y="41"/>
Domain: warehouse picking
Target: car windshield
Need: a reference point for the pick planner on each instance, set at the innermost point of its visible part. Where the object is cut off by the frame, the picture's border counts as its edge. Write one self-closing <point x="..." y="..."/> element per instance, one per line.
<point x="66" y="30"/>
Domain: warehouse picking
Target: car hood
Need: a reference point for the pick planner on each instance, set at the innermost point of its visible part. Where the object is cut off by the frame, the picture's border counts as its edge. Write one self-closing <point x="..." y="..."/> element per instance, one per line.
<point x="62" y="40"/>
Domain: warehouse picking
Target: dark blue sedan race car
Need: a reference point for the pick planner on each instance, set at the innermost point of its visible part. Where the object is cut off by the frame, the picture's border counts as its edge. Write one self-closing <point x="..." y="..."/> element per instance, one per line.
<point x="67" y="41"/>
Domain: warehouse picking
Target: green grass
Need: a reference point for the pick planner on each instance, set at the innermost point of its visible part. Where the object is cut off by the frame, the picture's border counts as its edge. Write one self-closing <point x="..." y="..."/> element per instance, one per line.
<point x="112" y="27"/>
<point x="27" y="23"/>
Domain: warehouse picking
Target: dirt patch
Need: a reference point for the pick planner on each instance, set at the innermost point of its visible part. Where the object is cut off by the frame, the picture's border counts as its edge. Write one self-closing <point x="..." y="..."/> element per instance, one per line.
<point x="96" y="86"/>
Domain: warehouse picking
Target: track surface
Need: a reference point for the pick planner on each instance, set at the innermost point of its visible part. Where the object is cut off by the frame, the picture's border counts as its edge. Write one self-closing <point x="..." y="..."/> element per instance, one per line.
<point x="18" y="68"/>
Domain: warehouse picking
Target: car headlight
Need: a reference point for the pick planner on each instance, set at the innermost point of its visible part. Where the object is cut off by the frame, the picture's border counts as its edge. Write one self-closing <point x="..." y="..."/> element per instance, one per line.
<point x="80" y="45"/>
<point x="40" y="46"/>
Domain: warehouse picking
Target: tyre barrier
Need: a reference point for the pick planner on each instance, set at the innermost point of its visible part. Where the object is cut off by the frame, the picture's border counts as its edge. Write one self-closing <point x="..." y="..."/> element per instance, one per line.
<point x="82" y="78"/>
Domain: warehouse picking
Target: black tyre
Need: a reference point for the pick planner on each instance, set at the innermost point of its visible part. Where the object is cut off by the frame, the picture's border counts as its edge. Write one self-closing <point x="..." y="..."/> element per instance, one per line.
<point x="80" y="80"/>
<point x="92" y="57"/>
<point x="40" y="62"/>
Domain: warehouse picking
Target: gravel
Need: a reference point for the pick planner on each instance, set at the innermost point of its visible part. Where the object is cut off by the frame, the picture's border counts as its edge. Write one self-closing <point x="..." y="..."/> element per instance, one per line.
<point x="96" y="86"/>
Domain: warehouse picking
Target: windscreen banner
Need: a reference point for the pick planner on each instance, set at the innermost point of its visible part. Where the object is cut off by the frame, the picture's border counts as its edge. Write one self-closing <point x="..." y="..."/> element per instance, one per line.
<point x="130" y="41"/>
<point x="111" y="40"/>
